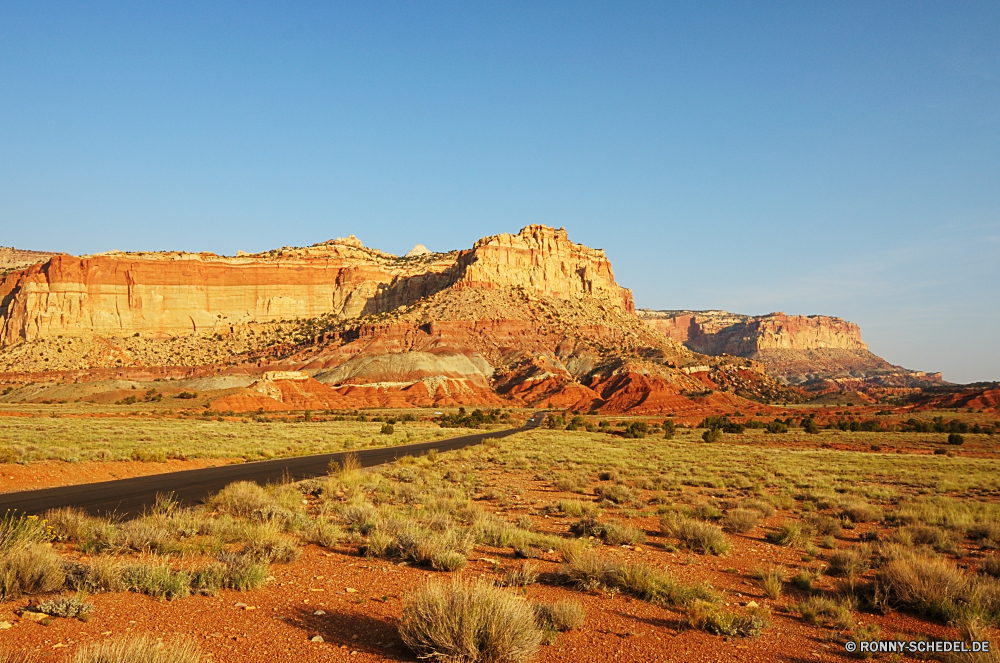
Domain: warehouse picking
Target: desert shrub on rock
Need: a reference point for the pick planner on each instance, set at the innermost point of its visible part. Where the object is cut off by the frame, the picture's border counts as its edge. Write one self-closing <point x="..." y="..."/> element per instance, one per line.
<point x="469" y="621"/>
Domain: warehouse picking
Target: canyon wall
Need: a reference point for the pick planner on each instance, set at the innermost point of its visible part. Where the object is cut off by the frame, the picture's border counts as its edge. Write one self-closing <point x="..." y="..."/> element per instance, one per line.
<point x="721" y="332"/>
<point x="172" y="294"/>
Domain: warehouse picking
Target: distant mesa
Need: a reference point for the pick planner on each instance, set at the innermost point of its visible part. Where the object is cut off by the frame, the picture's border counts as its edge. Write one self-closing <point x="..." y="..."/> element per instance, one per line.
<point x="794" y="348"/>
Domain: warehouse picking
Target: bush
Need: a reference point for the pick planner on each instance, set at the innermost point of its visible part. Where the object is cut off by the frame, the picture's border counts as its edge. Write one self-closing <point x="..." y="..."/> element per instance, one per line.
<point x="30" y="568"/>
<point x="695" y="534"/>
<point x="991" y="566"/>
<point x="526" y="574"/>
<point x="469" y="621"/>
<point x="860" y="511"/>
<point x="849" y="562"/>
<point x="636" y="430"/>
<point x="789" y="534"/>
<point x="771" y="581"/>
<point x="669" y="428"/>
<point x="560" y="616"/>
<point x="73" y="606"/>
<point x="616" y="534"/>
<point x="740" y="520"/>
<point x="21" y="529"/>
<point x="587" y="570"/>
<point x="821" y="609"/>
<point x="929" y="586"/>
<point x="809" y="425"/>
<point x="387" y="429"/>
<point x="714" y="619"/>
<point x="956" y="438"/>
<point x="776" y="427"/>
<point x="141" y="649"/>
<point x="243" y="499"/>
<point x="712" y="435"/>
<point x="616" y="493"/>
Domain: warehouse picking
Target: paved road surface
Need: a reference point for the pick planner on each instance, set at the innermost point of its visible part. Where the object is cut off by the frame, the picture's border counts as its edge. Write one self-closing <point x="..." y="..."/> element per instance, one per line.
<point x="130" y="496"/>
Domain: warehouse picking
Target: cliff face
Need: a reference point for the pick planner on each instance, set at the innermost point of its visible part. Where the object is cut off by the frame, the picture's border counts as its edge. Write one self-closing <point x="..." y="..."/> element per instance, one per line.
<point x="172" y="294"/>
<point x="794" y="348"/>
<point x="720" y="332"/>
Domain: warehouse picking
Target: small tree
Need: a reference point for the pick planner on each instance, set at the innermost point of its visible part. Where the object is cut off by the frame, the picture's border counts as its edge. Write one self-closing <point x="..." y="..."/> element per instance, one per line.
<point x="956" y="438"/>
<point x="810" y="426"/>
<point x="668" y="429"/>
<point x="387" y="429"/>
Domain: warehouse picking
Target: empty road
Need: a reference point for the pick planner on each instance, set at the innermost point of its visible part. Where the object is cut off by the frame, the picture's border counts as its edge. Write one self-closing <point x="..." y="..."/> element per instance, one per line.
<point x="128" y="497"/>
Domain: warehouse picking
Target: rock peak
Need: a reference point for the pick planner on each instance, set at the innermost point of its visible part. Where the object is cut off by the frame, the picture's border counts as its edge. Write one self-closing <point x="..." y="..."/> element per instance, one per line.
<point x="418" y="250"/>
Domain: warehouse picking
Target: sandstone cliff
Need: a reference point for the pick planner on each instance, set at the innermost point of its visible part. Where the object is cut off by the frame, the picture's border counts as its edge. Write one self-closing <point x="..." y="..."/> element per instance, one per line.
<point x="171" y="294"/>
<point x="794" y="348"/>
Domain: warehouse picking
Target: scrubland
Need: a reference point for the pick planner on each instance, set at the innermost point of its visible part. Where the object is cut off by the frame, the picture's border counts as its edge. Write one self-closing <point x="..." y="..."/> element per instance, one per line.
<point x="548" y="545"/>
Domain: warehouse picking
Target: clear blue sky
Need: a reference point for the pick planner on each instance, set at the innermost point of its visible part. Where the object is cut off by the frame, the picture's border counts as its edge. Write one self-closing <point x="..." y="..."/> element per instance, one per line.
<point x="810" y="157"/>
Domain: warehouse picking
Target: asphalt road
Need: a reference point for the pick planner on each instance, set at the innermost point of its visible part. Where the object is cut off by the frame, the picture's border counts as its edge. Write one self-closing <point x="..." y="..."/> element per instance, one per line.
<point x="128" y="497"/>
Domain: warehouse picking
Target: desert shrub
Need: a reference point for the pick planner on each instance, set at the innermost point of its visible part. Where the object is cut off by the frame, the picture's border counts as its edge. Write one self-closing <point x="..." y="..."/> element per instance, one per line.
<point x="69" y="607"/>
<point x="8" y="455"/>
<point x="144" y="455"/>
<point x="522" y="576"/>
<point x="157" y="580"/>
<point x="524" y="522"/>
<point x="587" y="527"/>
<point x="636" y="430"/>
<point x="938" y="538"/>
<point x="469" y="621"/>
<point x="809" y="425"/>
<point x="776" y="427"/>
<point x="573" y="483"/>
<point x="740" y="520"/>
<point x="696" y="534"/>
<point x="30" y="568"/>
<point x="138" y="649"/>
<point x="956" y="439"/>
<point x="616" y="534"/>
<point x="243" y="499"/>
<point x="803" y="580"/>
<point x="819" y="610"/>
<point x="991" y="566"/>
<point x="788" y="534"/>
<point x="144" y="535"/>
<point x="265" y="543"/>
<point x="576" y="508"/>
<point x="765" y="509"/>
<point x="719" y="621"/>
<point x="387" y="429"/>
<point x="587" y="570"/>
<point x="560" y="616"/>
<point x="824" y="525"/>
<point x="771" y="580"/>
<point x="704" y="511"/>
<point x="448" y="560"/>
<point x="616" y="493"/>
<point x="929" y="586"/>
<point x="986" y="532"/>
<point x="849" y="562"/>
<point x="16" y="530"/>
<point x="243" y="573"/>
<point x="860" y="511"/>
<point x="323" y="533"/>
<point x="669" y="428"/>
<point x="712" y="435"/>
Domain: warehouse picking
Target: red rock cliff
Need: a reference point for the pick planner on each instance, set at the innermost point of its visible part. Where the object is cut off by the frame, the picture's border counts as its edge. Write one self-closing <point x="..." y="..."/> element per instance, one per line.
<point x="171" y="294"/>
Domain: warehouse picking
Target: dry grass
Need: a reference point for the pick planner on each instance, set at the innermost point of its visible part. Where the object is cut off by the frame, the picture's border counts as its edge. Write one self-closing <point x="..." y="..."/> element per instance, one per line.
<point x="696" y="534"/>
<point x="715" y="619"/>
<point x="469" y="621"/>
<point x="141" y="649"/>
<point x="740" y="520"/>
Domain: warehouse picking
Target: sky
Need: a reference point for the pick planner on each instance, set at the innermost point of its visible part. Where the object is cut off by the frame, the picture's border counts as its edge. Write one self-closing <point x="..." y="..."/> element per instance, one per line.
<point x="815" y="158"/>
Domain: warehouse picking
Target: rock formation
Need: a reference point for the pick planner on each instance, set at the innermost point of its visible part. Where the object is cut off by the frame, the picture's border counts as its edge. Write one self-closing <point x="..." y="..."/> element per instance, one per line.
<point x="11" y="258"/>
<point x="794" y="348"/>
<point x="171" y="294"/>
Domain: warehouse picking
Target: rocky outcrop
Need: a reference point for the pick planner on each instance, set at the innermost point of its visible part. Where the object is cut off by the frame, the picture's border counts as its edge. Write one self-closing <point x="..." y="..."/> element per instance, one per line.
<point x="794" y="348"/>
<point x="11" y="258"/>
<point x="173" y="294"/>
